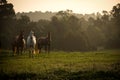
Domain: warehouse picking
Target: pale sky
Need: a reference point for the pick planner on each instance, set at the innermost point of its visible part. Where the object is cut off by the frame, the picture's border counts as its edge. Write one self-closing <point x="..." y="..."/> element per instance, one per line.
<point x="77" y="6"/>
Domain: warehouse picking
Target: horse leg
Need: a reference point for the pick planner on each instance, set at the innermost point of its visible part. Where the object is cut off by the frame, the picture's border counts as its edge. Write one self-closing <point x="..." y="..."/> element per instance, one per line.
<point x="17" y="50"/>
<point x="48" y="48"/>
<point x="39" y="50"/>
<point x="21" y="50"/>
<point x="45" y="49"/>
<point x="30" y="52"/>
<point x="24" y="48"/>
<point x="14" y="50"/>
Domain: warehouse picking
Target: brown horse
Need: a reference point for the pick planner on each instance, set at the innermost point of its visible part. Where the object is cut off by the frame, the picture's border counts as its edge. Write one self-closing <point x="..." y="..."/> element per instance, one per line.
<point x="18" y="44"/>
<point x="44" y="42"/>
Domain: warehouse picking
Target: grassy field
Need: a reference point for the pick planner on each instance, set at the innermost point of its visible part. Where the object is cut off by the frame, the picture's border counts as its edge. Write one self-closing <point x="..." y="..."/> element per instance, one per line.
<point x="99" y="65"/>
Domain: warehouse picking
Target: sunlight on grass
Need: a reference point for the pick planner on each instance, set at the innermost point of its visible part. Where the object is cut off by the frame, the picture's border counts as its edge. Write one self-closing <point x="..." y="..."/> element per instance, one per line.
<point x="45" y="63"/>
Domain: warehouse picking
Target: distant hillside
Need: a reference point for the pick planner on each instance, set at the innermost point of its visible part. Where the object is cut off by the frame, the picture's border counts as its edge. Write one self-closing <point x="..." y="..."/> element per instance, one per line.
<point x="35" y="16"/>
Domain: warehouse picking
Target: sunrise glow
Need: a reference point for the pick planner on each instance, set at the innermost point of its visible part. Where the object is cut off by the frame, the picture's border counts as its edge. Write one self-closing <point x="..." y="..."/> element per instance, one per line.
<point x="77" y="6"/>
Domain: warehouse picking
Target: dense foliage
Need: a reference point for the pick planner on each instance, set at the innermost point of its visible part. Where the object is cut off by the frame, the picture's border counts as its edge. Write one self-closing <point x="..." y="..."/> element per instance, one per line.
<point x="68" y="32"/>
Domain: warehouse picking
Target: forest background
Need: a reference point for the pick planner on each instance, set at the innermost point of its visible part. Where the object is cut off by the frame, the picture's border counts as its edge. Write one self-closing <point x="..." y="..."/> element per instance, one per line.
<point x="69" y="31"/>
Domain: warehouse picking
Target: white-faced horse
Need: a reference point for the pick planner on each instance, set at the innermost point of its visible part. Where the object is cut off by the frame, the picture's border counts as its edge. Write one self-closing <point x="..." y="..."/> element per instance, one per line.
<point x="31" y="43"/>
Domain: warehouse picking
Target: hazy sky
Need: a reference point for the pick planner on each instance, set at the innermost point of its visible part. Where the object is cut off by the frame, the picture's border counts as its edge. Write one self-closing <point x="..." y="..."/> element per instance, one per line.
<point x="77" y="6"/>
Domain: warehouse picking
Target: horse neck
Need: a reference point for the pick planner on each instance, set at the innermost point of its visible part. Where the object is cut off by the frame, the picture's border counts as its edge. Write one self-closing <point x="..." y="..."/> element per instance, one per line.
<point x="31" y="36"/>
<point x="21" y="36"/>
<point x="20" y="39"/>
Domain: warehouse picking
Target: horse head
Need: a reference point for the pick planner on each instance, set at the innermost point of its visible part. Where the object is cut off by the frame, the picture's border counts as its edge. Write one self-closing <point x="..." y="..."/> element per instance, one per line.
<point x="31" y="33"/>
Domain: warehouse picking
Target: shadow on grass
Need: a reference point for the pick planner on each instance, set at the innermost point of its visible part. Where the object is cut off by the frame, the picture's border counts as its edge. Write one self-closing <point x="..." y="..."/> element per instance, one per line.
<point x="63" y="75"/>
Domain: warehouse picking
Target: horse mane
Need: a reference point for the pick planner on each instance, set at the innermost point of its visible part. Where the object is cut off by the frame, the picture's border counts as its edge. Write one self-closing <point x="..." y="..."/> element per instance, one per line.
<point x="21" y="35"/>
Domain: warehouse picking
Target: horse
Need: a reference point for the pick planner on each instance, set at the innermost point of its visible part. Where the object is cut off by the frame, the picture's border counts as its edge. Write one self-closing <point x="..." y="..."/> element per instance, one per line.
<point x="44" y="42"/>
<point x="18" y="44"/>
<point x="31" y="43"/>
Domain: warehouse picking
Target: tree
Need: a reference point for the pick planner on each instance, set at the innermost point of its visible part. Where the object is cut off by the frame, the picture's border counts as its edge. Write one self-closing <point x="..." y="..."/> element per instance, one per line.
<point x="6" y="9"/>
<point x="3" y="2"/>
<point x="22" y="23"/>
<point x="105" y="16"/>
<point x="116" y="18"/>
<point x="116" y="11"/>
<point x="7" y="22"/>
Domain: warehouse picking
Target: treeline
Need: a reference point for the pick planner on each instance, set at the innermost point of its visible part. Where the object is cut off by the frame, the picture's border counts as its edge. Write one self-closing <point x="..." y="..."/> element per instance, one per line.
<point x="68" y="32"/>
<point x="37" y="15"/>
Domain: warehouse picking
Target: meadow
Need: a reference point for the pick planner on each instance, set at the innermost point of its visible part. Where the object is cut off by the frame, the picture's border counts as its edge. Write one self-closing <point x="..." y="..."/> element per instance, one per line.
<point x="60" y="65"/>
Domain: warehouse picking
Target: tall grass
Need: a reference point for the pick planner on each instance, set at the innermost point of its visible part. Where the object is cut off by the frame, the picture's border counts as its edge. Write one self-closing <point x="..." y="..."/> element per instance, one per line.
<point x="61" y="65"/>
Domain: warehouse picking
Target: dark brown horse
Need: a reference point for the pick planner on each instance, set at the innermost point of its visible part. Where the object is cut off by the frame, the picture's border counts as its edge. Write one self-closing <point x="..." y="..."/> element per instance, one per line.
<point x="18" y="44"/>
<point x="44" y="42"/>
